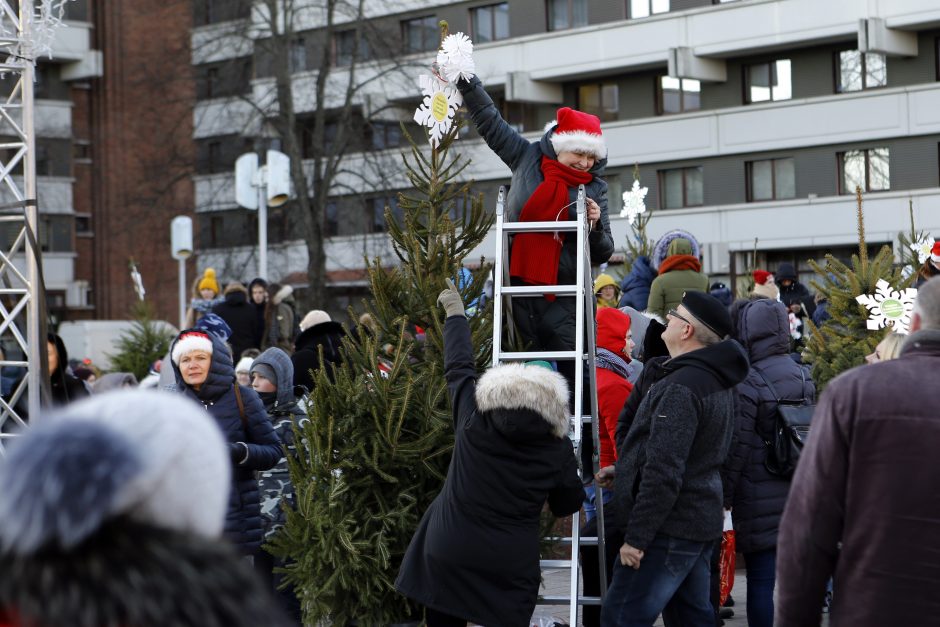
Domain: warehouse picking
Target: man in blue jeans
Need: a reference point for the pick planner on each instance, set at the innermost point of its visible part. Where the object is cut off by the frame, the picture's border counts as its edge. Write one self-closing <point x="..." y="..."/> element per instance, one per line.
<point x="667" y="488"/>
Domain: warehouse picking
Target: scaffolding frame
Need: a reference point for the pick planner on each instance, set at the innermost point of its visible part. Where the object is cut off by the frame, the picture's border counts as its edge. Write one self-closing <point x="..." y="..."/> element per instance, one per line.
<point x="21" y="301"/>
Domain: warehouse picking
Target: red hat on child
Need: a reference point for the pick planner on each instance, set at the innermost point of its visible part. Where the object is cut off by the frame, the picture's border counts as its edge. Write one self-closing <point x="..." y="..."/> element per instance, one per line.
<point x="935" y="252"/>
<point x="577" y="131"/>
<point x="761" y="276"/>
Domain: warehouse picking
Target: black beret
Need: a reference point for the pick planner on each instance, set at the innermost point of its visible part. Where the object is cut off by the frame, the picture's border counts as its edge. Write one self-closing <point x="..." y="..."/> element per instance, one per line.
<point x="709" y="311"/>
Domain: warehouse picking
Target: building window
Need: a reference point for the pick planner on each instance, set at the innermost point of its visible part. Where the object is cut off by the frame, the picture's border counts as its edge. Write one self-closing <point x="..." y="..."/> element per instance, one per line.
<point x="678" y="95"/>
<point x="212" y="82"/>
<point x="490" y="23"/>
<point x="857" y="70"/>
<point x="420" y="34"/>
<point x="645" y="8"/>
<point x="378" y="212"/>
<point x="681" y="187"/>
<point x="867" y="169"/>
<point x="214" y="159"/>
<point x="216" y="231"/>
<point x="601" y="100"/>
<point x="297" y="58"/>
<point x="771" y="179"/>
<point x="385" y="135"/>
<point x="564" y="14"/>
<point x="344" y="48"/>
<point x="332" y="218"/>
<point x="83" y="224"/>
<point x="768" y="81"/>
<point x="55" y="233"/>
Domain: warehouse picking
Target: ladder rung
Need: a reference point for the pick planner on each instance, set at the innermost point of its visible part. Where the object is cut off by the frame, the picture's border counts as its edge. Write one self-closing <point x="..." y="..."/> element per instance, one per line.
<point x="532" y="355"/>
<point x="586" y="419"/>
<point x="540" y="227"/>
<point x="538" y="290"/>
<point x="585" y="540"/>
<point x="562" y="600"/>
<point x="555" y="563"/>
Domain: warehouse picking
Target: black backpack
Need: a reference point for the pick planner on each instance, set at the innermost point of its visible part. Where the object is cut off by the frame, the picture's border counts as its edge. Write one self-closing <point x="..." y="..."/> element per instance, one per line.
<point x="791" y="429"/>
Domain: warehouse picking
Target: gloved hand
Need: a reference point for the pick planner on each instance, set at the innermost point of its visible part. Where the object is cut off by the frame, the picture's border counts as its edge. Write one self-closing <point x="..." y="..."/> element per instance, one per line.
<point x="450" y="300"/>
<point x="238" y="451"/>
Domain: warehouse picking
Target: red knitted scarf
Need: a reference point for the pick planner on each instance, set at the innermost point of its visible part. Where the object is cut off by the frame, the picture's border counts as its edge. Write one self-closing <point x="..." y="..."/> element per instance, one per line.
<point x="535" y="256"/>
<point x="680" y="262"/>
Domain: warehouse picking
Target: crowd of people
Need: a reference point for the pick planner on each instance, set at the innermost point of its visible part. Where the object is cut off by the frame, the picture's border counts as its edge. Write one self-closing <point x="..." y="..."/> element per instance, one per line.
<point x="158" y="516"/>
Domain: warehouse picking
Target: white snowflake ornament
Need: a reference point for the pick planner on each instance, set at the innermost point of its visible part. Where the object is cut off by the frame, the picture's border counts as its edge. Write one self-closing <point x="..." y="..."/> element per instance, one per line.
<point x="634" y="202"/>
<point x="889" y="307"/>
<point x="455" y="59"/>
<point x="923" y="248"/>
<point x="438" y="108"/>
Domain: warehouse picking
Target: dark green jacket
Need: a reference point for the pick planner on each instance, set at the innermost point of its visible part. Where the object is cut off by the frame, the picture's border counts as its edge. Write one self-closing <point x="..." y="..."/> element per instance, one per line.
<point x="668" y="288"/>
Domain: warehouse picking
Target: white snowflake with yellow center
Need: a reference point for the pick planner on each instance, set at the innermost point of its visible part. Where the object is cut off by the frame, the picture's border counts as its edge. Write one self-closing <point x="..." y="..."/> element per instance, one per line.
<point x="437" y="110"/>
<point x="634" y="202"/>
<point x="923" y="248"/>
<point x="889" y="307"/>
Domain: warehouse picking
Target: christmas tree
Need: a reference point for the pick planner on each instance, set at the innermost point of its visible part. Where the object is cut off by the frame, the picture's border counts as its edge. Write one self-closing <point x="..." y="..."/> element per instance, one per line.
<point x="843" y="341"/>
<point x="145" y="342"/>
<point x="376" y="449"/>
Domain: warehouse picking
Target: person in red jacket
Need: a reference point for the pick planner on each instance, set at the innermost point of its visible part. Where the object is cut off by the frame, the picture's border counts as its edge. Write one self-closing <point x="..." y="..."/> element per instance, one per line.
<point x="614" y="343"/>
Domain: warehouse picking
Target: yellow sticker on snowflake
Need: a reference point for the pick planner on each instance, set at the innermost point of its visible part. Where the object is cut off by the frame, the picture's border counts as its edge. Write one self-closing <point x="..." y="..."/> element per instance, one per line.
<point x="439" y="106"/>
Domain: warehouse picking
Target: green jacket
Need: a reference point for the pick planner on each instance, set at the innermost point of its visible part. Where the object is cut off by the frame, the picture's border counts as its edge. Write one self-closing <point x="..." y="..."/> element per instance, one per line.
<point x="680" y="272"/>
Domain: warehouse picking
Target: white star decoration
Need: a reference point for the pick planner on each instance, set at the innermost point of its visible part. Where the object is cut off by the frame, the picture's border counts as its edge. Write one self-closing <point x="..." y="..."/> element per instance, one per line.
<point x="437" y="110"/>
<point x="455" y="58"/>
<point x="889" y="307"/>
<point x="633" y="202"/>
<point x="923" y="248"/>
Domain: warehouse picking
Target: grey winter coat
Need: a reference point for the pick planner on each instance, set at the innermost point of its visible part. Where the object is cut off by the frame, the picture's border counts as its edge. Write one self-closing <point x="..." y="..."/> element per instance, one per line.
<point x="284" y="412"/>
<point x="755" y="496"/>
<point x="667" y="477"/>
<point x="475" y="554"/>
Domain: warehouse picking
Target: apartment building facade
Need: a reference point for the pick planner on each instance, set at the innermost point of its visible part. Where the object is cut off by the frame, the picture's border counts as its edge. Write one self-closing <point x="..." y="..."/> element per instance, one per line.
<point x="751" y="121"/>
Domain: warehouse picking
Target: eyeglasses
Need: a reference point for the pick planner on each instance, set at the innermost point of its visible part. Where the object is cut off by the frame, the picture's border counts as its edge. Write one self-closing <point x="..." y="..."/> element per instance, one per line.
<point x="675" y="314"/>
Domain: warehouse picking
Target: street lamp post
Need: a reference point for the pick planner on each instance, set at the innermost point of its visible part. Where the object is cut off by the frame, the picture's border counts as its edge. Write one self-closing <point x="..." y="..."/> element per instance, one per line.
<point x="258" y="188"/>
<point x="181" y="246"/>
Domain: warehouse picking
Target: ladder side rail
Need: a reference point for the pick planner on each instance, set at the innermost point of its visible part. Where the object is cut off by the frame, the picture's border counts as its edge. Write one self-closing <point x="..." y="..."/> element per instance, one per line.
<point x="498" y="277"/>
<point x="578" y="394"/>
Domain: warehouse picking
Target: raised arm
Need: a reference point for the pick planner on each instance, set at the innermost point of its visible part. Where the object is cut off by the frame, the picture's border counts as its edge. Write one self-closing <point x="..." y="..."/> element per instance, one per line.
<point x="459" y="364"/>
<point x="502" y="139"/>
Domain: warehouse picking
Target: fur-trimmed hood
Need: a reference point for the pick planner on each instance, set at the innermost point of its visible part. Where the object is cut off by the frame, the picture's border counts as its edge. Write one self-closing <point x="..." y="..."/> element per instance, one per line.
<point x="510" y="391"/>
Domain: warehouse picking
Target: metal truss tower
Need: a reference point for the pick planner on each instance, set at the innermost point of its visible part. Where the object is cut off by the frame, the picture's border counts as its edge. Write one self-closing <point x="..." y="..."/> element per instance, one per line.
<point x="20" y="293"/>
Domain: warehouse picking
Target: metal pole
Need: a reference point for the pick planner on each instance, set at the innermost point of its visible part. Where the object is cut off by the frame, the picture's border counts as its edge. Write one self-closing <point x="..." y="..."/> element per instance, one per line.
<point x="262" y="225"/>
<point x="34" y="341"/>
<point x="182" y="294"/>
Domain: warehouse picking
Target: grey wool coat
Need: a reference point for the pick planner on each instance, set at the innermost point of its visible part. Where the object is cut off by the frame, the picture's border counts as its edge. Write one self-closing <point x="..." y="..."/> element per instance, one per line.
<point x="475" y="554"/>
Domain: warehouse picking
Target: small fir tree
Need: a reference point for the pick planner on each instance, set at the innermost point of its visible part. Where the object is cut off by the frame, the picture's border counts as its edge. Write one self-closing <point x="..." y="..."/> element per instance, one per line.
<point x="843" y="341"/>
<point x="907" y="255"/>
<point x="145" y="342"/>
<point x="375" y="451"/>
<point x="638" y="242"/>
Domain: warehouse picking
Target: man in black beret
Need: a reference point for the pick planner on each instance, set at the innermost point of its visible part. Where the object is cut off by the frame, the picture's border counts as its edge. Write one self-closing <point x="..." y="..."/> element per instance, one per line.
<point x="667" y="488"/>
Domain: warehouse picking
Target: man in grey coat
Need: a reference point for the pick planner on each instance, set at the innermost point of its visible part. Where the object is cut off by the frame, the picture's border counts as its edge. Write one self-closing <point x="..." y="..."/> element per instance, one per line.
<point x="863" y="506"/>
<point x="667" y="487"/>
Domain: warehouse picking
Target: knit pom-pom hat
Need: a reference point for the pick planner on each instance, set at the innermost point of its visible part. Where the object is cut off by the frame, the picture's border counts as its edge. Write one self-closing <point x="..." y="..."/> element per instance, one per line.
<point x="208" y="281"/>
<point x="576" y="131"/>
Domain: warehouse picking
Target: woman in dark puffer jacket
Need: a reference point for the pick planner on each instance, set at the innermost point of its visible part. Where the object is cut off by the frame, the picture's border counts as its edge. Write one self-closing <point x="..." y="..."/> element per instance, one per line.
<point x="755" y="496"/>
<point x="204" y="372"/>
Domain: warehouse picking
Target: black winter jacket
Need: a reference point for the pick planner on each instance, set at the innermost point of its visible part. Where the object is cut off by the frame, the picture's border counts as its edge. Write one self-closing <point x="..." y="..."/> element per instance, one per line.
<point x="241" y="317"/>
<point x="217" y="394"/>
<point x="65" y="387"/>
<point x="306" y="355"/>
<point x="796" y="293"/>
<point x="755" y="496"/>
<point x="475" y="554"/>
<point x="667" y="477"/>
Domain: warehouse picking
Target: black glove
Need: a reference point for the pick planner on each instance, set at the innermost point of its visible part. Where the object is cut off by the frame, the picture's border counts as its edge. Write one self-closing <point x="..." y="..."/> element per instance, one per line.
<point x="450" y="300"/>
<point x="238" y="451"/>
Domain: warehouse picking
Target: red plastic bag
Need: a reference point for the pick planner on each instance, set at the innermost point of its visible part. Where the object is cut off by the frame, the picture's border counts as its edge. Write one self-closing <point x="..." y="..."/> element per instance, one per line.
<point x="726" y="565"/>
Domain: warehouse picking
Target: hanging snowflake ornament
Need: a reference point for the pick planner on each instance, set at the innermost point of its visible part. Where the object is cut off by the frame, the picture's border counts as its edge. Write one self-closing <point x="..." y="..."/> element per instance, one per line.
<point x="923" y="248"/>
<point x="455" y="58"/>
<point x="634" y="202"/>
<point x="889" y="307"/>
<point x="438" y="108"/>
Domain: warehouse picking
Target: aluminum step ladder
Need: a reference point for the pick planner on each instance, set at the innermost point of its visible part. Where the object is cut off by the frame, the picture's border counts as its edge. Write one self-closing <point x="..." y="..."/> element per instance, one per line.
<point x="583" y="357"/>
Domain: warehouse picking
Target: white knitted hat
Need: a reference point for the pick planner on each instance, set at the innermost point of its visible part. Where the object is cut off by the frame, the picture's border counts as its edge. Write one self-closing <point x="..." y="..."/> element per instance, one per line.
<point x="313" y="318"/>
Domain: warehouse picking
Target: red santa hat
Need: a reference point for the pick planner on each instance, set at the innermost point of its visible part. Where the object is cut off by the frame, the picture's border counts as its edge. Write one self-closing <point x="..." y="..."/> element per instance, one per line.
<point x="577" y="131"/>
<point x="935" y="252"/>
<point x="189" y="342"/>
<point x="761" y="276"/>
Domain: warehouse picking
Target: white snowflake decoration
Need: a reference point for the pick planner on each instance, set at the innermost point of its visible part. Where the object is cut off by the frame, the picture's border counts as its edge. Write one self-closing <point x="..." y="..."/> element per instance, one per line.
<point x="923" y="248"/>
<point x="45" y="19"/>
<point x="634" y="202"/>
<point x="438" y="108"/>
<point x="889" y="307"/>
<point x="455" y="58"/>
